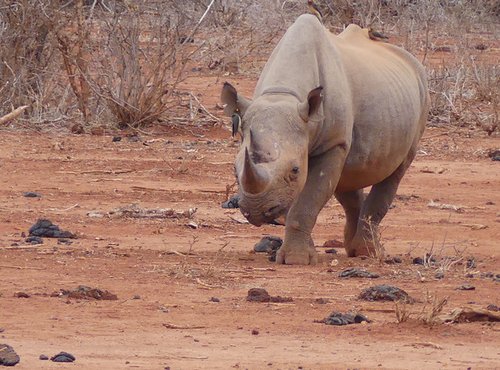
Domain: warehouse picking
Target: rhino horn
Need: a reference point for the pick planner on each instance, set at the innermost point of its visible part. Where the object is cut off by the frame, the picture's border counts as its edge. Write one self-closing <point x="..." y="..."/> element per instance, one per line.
<point x="254" y="179"/>
<point x="262" y="149"/>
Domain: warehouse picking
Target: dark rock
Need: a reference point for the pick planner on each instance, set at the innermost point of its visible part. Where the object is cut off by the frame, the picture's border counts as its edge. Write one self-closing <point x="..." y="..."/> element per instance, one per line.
<point x="21" y="295"/>
<point x="116" y="139"/>
<point x="77" y="129"/>
<point x="43" y="357"/>
<point x="134" y="138"/>
<point x="258" y="295"/>
<point x="471" y="263"/>
<point x="8" y="357"/>
<point x="31" y="194"/>
<point x="385" y="293"/>
<point x="85" y="292"/>
<point x="331" y="250"/>
<point x="418" y="261"/>
<point x="494" y="155"/>
<point x="261" y="295"/>
<point x="466" y="287"/>
<point x="321" y="301"/>
<point x="268" y="244"/>
<point x="137" y="296"/>
<point x="232" y="202"/>
<point x="64" y="241"/>
<point x="63" y="357"/>
<point x="356" y="272"/>
<point x="34" y="240"/>
<point x="214" y="299"/>
<point x="492" y="307"/>
<point x="338" y="318"/>
<point x="421" y="261"/>
<point x="45" y="228"/>
<point x="255" y="332"/>
<point x="393" y="260"/>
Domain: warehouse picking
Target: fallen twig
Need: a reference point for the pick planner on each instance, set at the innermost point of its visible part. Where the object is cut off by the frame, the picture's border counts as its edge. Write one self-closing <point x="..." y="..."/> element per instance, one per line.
<point x="452" y="207"/>
<point x="21" y="267"/>
<point x="182" y="327"/>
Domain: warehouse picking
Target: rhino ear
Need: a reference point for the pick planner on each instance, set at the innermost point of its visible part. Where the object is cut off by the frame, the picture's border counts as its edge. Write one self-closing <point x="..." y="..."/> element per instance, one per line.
<point x="312" y="104"/>
<point x="234" y="102"/>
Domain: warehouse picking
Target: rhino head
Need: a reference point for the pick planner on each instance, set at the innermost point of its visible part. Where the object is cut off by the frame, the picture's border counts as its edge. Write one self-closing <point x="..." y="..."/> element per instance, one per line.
<point x="271" y="165"/>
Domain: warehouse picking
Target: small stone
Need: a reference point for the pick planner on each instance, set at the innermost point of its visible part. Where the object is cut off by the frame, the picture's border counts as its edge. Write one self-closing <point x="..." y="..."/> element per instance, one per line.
<point x="63" y="357"/>
<point x="8" y="357"/>
<point x="439" y="275"/>
<point x="255" y="332"/>
<point x="493" y="307"/>
<point x="321" y="301"/>
<point x="466" y="287"/>
<point x="331" y="250"/>
<point x="31" y="194"/>
<point x="137" y="296"/>
<point x="422" y="261"/>
<point x="393" y="260"/>
<point x="21" y="295"/>
<point x="34" y="240"/>
<point x="418" y="261"/>
<point x="214" y="299"/>
<point x="116" y="139"/>
<point x="43" y="357"/>
<point x="133" y="138"/>
<point x="494" y="155"/>
<point x="77" y="129"/>
<point x="471" y="263"/>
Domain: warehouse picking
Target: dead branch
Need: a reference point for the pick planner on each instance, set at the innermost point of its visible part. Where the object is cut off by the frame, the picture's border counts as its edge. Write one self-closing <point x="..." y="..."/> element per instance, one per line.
<point x="12" y="115"/>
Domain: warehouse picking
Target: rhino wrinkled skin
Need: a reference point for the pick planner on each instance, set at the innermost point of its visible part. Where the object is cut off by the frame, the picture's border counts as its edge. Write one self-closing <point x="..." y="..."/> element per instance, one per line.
<point x="331" y="115"/>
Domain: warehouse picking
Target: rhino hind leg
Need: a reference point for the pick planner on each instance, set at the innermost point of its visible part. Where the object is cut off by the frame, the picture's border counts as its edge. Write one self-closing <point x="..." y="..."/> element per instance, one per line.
<point x="351" y="201"/>
<point x="366" y="238"/>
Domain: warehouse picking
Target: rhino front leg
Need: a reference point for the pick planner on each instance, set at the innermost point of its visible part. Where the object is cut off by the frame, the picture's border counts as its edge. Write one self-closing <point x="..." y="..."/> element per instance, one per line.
<point x="323" y="176"/>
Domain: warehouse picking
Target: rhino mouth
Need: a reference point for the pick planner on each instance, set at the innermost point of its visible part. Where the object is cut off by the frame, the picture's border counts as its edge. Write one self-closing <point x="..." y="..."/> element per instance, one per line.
<point x="270" y="216"/>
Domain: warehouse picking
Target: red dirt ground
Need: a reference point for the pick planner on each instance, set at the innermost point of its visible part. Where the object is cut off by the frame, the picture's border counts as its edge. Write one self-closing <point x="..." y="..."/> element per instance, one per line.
<point x="172" y="323"/>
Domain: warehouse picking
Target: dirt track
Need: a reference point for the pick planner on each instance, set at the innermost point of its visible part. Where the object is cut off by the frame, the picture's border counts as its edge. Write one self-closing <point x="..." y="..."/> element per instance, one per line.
<point x="80" y="174"/>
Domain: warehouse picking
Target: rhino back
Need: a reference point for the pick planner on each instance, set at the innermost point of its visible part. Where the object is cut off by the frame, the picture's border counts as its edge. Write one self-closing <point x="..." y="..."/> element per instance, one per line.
<point x="390" y="103"/>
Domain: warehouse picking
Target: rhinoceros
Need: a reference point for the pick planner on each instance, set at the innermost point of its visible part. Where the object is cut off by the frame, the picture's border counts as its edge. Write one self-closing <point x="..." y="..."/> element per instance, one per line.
<point x="331" y="115"/>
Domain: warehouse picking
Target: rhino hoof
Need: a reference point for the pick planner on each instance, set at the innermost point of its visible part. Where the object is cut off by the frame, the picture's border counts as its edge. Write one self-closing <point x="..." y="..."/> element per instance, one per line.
<point x="307" y="257"/>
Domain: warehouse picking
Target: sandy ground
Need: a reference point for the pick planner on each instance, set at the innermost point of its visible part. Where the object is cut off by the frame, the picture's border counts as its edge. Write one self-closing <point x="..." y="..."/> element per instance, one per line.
<point x="164" y="316"/>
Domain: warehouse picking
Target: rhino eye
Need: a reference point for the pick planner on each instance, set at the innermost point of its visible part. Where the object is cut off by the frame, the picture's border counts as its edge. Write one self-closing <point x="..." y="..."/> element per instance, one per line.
<point x="295" y="170"/>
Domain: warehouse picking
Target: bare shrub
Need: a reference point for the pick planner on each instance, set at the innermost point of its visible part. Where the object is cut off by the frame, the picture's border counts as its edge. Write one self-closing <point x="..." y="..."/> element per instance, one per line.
<point x="23" y="61"/>
<point x="402" y="310"/>
<point x="432" y="308"/>
<point x="375" y="233"/>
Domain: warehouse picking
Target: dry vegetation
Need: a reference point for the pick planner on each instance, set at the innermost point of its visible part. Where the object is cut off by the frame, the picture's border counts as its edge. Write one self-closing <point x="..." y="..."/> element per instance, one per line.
<point x="120" y="62"/>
